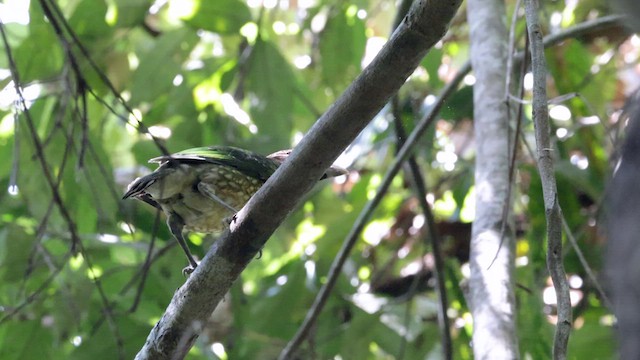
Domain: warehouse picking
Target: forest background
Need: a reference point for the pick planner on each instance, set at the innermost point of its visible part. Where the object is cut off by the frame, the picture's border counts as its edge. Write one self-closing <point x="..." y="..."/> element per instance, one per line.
<point x="107" y="85"/>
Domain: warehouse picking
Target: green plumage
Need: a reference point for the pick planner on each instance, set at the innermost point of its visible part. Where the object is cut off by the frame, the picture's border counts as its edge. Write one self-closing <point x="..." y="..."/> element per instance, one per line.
<point x="199" y="189"/>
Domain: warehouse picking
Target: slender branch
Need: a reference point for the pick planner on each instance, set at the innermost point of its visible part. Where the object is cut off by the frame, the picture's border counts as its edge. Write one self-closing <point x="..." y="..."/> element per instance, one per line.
<point x="433" y="239"/>
<point x="45" y="218"/>
<point x="34" y="295"/>
<point x="583" y="28"/>
<point x="435" y="242"/>
<point x="512" y="46"/>
<point x="547" y="176"/>
<point x="420" y="190"/>
<point x="154" y="257"/>
<point x="175" y="333"/>
<point x="585" y="264"/>
<point x="57" y="198"/>
<point x="147" y="263"/>
<point x="54" y="10"/>
<point x="513" y="145"/>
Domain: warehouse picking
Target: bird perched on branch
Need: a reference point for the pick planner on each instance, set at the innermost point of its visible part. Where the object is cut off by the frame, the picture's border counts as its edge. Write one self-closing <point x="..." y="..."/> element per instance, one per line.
<point x="200" y="189"/>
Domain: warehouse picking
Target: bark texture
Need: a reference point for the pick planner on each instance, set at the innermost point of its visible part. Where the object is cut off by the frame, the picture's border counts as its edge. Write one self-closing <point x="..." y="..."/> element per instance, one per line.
<point x="545" y="156"/>
<point x="623" y="253"/>
<point x="491" y="285"/>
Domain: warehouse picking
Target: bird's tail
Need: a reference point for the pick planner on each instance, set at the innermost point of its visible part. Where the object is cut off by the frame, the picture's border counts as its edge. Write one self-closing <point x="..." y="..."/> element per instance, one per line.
<point x="333" y="171"/>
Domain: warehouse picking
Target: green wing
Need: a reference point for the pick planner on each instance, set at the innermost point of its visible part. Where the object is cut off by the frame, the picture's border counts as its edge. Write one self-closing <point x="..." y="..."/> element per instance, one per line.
<point x="247" y="162"/>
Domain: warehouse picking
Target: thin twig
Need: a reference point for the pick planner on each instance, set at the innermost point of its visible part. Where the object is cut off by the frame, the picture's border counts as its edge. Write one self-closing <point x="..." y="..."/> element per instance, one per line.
<point x="574" y="244"/>
<point x="34" y="295"/>
<point x="76" y="241"/>
<point x="45" y="218"/>
<point x="514" y="152"/>
<point x="141" y="127"/>
<point x="584" y="28"/>
<point x="420" y="190"/>
<point x="57" y="198"/>
<point x="400" y="138"/>
<point x="155" y="256"/>
<point x="584" y="263"/>
<point x="147" y="263"/>
<point x="141" y="272"/>
<point x="433" y="239"/>
<point x="84" y="120"/>
<point x="511" y="51"/>
<point x="547" y="176"/>
<point x="413" y="288"/>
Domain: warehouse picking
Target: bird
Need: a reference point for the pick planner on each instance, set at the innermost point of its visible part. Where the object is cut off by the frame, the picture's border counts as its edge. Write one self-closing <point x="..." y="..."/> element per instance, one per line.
<point x="201" y="189"/>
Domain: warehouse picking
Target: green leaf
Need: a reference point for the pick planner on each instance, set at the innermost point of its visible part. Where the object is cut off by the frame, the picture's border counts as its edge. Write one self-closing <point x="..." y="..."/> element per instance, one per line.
<point x="569" y="64"/>
<point x="145" y="150"/>
<point x="102" y="344"/>
<point x="270" y="84"/>
<point x="432" y="63"/>
<point x="342" y="45"/>
<point x="89" y="19"/>
<point x="160" y="65"/>
<point x="579" y="179"/>
<point x="39" y="55"/>
<point x="15" y="254"/>
<point x="26" y="340"/>
<point x="459" y="105"/>
<point x="131" y="12"/>
<point x="219" y="16"/>
<point x="461" y="187"/>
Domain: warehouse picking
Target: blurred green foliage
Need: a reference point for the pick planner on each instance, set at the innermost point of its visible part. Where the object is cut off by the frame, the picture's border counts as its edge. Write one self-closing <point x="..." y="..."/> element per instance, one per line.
<point x="257" y="75"/>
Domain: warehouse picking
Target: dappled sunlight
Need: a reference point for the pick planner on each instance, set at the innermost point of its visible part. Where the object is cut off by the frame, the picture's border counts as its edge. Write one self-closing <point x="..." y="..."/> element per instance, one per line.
<point x="234" y="110"/>
<point x="15" y="11"/>
<point x="105" y="86"/>
<point x="9" y="97"/>
<point x="376" y="230"/>
<point x="560" y="113"/>
<point x="159" y="131"/>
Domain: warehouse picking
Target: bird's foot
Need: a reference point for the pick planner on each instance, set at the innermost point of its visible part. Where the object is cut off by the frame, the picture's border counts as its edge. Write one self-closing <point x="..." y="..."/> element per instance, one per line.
<point x="229" y="220"/>
<point x="188" y="270"/>
<point x="259" y="254"/>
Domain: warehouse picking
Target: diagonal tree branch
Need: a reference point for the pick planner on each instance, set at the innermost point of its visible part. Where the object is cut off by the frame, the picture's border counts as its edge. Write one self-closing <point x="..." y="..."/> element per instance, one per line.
<point x="175" y="333"/>
<point x="420" y="188"/>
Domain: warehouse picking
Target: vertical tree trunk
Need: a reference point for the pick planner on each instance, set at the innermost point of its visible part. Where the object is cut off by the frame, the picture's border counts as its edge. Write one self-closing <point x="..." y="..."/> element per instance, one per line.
<point x="623" y="253"/>
<point x="491" y="294"/>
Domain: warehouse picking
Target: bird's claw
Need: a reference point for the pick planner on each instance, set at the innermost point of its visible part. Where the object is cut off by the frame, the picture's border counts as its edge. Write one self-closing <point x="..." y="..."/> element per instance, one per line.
<point x="230" y="219"/>
<point x="188" y="270"/>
